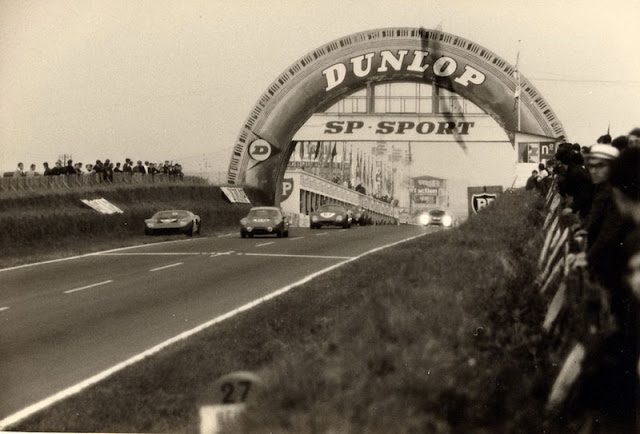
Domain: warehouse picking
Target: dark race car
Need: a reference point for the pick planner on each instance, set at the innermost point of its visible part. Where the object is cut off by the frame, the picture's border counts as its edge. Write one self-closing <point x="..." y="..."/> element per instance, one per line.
<point x="358" y="215"/>
<point x="264" y="220"/>
<point x="435" y="217"/>
<point x="167" y="221"/>
<point x="330" y="215"/>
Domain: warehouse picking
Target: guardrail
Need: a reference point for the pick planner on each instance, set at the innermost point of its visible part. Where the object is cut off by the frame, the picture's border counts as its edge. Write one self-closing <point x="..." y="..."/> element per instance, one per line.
<point x="61" y="182"/>
<point x="579" y="310"/>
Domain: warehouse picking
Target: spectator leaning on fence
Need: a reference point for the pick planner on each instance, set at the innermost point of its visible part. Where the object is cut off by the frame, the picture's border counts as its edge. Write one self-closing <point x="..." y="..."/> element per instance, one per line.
<point x="633" y="138"/>
<point x="610" y="386"/>
<point x="606" y="228"/>
<point x="625" y="182"/>
<point x="574" y="182"/>
<point x="620" y="143"/>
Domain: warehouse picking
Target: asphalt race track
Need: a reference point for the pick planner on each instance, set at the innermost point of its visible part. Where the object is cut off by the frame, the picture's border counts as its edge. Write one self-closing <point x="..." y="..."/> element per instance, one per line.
<point x="65" y="321"/>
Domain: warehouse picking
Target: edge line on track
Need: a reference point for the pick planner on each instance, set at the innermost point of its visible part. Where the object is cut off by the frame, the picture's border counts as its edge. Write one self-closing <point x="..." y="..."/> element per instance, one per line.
<point x="167" y="266"/>
<point x="69" y="258"/>
<point x="285" y="255"/>
<point x="88" y="286"/>
<point x="14" y="418"/>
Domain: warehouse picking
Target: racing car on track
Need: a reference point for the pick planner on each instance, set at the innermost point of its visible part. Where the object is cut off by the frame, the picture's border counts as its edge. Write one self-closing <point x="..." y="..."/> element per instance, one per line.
<point x="167" y="221"/>
<point x="358" y="215"/>
<point x="264" y="220"/>
<point x="435" y="217"/>
<point x="330" y="215"/>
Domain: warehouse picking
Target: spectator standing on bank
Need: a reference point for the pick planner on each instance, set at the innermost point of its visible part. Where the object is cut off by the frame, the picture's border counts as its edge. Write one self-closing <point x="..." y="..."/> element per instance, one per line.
<point x="139" y="168"/>
<point x="19" y="171"/>
<point x="544" y="179"/>
<point x="98" y="169"/>
<point x="177" y="171"/>
<point x="108" y="170"/>
<point x="117" y="169"/>
<point x="126" y="167"/>
<point x="166" y="168"/>
<point x="57" y="169"/>
<point x="32" y="171"/>
<point x="46" y="169"/>
<point x="532" y="181"/>
<point x="68" y="169"/>
<point x="152" y="169"/>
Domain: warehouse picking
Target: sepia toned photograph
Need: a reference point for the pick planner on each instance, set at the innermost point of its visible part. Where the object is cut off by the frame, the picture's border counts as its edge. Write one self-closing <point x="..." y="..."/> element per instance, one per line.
<point x="352" y="216"/>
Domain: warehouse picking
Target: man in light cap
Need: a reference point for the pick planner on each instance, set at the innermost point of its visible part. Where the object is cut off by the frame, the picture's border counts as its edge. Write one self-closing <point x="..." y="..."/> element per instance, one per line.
<point x="606" y="229"/>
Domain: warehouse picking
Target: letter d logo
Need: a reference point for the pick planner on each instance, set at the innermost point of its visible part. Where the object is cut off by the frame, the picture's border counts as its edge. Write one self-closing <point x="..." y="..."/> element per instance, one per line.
<point x="260" y="150"/>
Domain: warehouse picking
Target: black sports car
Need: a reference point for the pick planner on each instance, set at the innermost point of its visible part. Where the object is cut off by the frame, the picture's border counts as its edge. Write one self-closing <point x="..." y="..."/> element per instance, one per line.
<point x="330" y="215"/>
<point x="264" y="220"/>
<point x="175" y="220"/>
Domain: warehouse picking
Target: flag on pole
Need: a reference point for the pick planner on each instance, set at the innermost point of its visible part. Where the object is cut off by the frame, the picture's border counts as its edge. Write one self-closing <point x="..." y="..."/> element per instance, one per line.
<point x="516" y="97"/>
<point x="301" y="150"/>
<point x="315" y="157"/>
<point x="334" y="152"/>
<point x="516" y="72"/>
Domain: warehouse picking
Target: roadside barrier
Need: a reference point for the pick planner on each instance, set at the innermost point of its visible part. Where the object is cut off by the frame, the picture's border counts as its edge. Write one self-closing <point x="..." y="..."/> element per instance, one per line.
<point x="578" y="312"/>
<point x="63" y="182"/>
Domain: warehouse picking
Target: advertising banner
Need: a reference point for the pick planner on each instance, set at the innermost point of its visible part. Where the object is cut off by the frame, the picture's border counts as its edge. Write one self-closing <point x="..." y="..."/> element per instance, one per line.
<point x="535" y="152"/>
<point x="481" y="197"/>
<point x="423" y="127"/>
<point x="235" y="194"/>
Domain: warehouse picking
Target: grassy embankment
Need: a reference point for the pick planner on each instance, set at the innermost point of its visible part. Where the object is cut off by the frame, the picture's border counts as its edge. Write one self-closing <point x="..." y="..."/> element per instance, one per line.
<point x="51" y="224"/>
<point x="439" y="334"/>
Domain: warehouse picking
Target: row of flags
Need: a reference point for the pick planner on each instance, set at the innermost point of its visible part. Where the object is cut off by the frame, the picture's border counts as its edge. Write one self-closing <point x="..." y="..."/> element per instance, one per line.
<point x="364" y="166"/>
<point x="316" y="150"/>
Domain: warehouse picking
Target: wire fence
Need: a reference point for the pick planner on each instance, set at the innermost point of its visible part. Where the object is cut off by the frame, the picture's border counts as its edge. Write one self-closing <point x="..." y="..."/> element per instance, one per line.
<point x="578" y="311"/>
<point x="67" y="182"/>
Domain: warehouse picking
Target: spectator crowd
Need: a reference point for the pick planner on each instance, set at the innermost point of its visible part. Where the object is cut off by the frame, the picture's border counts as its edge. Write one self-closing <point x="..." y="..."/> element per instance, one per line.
<point x="599" y="188"/>
<point x="105" y="170"/>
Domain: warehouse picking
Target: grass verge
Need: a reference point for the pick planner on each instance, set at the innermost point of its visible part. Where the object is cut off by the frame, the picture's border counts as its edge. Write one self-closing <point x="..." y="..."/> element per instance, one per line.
<point x="439" y="334"/>
<point x="50" y="225"/>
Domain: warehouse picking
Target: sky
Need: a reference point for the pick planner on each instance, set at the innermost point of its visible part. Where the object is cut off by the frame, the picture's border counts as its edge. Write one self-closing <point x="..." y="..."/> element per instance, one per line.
<point x="159" y="79"/>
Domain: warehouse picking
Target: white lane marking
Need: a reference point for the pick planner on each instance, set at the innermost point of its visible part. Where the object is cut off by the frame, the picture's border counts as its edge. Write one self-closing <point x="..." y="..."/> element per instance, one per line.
<point x="321" y="234"/>
<point x="295" y="238"/>
<point x="88" y="286"/>
<point x="70" y="391"/>
<point x="213" y="254"/>
<point x="167" y="266"/>
<point x="3" y="308"/>
<point x="298" y="256"/>
<point x="264" y="244"/>
<point x="225" y="235"/>
<point x="155" y="254"/>
<point x="69" y="258"/>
